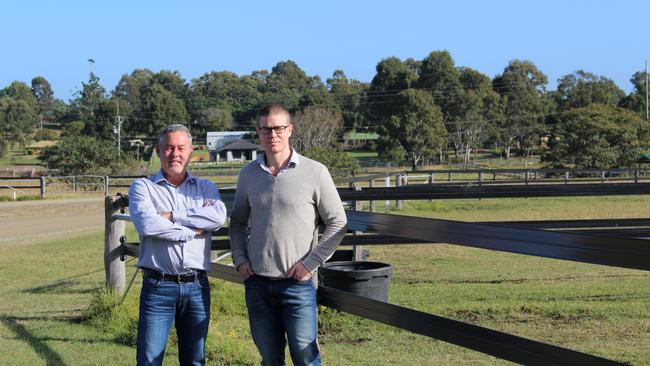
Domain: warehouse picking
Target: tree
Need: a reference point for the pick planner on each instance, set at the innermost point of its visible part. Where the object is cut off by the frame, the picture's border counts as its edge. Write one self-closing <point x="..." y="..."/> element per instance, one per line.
<point x="76" y="155"/>
<point x="286" y="84"/>
<point x="316" y="127"/>
<point x="636" y="100"/>
<point x="439" y="76"/>
<point x="130" y="88"/>
<point x="16" y="119"/>
<point x="88" y="98"/>
<point x="523" y="92"/>
<point x="350" y="95"/>
<point x="392" y="77"/>
<point x="225" y="91"/>
<point x="596" y="136"/>
<point x="581" y="89"/>
<point x="213" y="119"/>
<point x="415" y="130"/>
<point x="338" y="162"/>
<point x="173" y="82"/>
<point x="160" y="107"/>
<point x="20" y="91"/>
<point x="480" y="110"/>
<point x="42" y="91"/>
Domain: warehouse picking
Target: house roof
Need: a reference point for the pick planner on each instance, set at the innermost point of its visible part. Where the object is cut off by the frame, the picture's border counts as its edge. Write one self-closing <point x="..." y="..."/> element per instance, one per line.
<point x="644" y="158"/>
<point x="241" y="144"/>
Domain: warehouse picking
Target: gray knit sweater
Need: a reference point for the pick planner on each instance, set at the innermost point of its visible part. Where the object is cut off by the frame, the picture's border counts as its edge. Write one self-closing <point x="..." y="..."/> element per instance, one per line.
<point x="274" y="219"/>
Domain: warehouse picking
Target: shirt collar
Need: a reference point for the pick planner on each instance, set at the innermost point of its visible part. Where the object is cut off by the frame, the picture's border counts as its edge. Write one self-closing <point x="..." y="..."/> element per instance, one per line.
<point x="293" y="160"/>
<point x="159" y="177"/>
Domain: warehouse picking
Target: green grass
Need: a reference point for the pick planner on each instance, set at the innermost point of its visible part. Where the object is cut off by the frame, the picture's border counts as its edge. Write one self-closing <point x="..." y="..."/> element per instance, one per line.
<point x="54" y="309"/>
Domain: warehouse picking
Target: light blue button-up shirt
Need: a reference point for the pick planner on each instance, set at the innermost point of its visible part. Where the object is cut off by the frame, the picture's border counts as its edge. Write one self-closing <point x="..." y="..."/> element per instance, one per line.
<point x="172" y="246"/>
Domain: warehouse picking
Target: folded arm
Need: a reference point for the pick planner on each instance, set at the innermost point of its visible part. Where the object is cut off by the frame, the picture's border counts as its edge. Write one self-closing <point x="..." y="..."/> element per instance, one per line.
<point x="210" y="217"/>
<point x="148" y="221"/>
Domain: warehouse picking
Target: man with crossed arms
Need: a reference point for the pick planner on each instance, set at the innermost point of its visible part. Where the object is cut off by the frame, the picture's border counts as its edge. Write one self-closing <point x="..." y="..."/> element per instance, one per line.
<point x="174" y="213"/>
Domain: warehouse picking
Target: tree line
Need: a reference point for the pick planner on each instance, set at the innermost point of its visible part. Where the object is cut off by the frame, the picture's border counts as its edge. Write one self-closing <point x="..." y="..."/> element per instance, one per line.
<point x="422" y="110"/>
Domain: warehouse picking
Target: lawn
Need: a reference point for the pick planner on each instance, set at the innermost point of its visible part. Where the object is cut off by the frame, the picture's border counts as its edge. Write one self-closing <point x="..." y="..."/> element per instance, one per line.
<point x="54" y="311"/>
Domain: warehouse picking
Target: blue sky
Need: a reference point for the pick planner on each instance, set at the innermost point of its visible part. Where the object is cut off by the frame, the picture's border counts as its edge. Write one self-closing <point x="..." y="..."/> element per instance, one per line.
<point x="55" y="39"/>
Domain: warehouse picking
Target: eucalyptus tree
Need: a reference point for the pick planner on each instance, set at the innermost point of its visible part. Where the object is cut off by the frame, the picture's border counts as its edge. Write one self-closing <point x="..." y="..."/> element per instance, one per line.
<point x="597" y="136"/>
<point x="42" y="91"/>
<point x="414" y="130"/>
<point x="523" y="93"/>
<point x="581" y="88"/>
<point x="392" y="77"/>
<point x="351" y="97"/>
<point x="479" y="112"/>
<point x="637" y="99"/>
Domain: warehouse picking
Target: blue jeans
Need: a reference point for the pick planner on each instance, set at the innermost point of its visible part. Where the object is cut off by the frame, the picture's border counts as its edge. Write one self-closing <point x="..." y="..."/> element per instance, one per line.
<point x="162" y="303"/>
<point x="276" y="307"/>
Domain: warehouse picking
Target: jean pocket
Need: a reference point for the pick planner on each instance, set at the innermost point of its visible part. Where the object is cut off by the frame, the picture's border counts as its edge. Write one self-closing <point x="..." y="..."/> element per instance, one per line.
<point x="150" y="282"/>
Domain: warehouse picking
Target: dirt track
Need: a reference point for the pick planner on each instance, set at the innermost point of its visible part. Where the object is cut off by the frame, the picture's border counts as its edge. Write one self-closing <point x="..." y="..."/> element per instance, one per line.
<point x="46" y="218"/>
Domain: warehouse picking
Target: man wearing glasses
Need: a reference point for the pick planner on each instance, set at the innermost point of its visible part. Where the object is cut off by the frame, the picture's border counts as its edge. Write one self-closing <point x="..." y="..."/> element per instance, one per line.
<point x="280" y="200"/>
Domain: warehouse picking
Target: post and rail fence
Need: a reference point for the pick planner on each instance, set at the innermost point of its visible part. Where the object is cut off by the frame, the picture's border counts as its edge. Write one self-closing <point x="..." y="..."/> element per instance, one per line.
<point x="103" y="184"/>
<point x="618" y="243"/>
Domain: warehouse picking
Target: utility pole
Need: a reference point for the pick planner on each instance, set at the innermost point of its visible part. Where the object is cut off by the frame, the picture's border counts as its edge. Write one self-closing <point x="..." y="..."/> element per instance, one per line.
<point x="646" y="89"/>
<point x="118" y="122"/>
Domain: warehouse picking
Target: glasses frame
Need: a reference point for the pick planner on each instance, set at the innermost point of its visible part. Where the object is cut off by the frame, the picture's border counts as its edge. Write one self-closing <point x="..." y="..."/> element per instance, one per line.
<point x="279" y="130"/>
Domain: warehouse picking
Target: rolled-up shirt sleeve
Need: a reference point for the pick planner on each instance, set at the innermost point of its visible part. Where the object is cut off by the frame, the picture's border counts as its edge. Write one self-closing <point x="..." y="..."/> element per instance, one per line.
<point x="210" y="217"/>
<point x="146" y="219"/>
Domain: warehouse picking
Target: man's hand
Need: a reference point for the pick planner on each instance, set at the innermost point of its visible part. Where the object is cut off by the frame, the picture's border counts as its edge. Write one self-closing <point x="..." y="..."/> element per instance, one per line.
<point x="299" y="272"/>
<point x="245" y="270"/>
<point x="167" y="215"/>
<point x="199" y="232"/>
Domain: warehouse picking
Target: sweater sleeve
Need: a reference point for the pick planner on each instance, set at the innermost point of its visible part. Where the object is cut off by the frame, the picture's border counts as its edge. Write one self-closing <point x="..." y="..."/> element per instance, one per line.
<point x="330" y="209"/>
<point x="239" y="223"/>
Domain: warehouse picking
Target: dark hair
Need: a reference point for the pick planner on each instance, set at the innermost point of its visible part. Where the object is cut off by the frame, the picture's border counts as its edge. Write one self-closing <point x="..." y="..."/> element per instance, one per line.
<point x="175" y="128"/>
<point x="272" y="108"/>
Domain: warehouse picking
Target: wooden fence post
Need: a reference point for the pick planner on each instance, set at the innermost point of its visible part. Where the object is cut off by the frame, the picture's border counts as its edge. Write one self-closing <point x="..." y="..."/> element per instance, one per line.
<point x="42" y="187"/>
<point x="387" y="185"/>
<point x="113" y="230"/>
<point x="106" y="185"/>
<point x="373" y="207"/>
<point x="357" y="250"/>
<point x="398" y="183"/>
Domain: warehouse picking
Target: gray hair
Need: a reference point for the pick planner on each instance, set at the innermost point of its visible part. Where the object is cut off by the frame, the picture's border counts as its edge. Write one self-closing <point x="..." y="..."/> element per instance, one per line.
<point x="176" y="127"/>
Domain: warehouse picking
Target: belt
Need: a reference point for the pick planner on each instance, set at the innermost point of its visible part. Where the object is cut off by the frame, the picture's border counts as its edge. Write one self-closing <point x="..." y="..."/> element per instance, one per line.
<point x="178" y="277"/>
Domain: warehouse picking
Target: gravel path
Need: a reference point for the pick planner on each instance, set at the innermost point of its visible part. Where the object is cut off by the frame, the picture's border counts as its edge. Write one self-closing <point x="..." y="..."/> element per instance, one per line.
<point x="46" y="218"/>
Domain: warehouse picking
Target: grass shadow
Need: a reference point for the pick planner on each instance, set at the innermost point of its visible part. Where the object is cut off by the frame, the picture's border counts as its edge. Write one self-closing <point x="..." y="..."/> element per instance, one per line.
<point x="50" y="356"/>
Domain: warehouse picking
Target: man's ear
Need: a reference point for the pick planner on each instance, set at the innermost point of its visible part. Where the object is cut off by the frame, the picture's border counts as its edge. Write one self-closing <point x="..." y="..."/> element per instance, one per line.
<point x="158" y="149"/>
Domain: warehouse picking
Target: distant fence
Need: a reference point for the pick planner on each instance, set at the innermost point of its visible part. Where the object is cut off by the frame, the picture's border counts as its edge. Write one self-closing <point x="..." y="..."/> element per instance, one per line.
<point x="628" y="249"/>
<point x="64" y="184"/>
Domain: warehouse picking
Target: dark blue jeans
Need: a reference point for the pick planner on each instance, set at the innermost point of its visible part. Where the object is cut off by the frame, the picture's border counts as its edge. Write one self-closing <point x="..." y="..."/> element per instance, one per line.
<point x="161" y="304"/>
<point x="279" y="307"/>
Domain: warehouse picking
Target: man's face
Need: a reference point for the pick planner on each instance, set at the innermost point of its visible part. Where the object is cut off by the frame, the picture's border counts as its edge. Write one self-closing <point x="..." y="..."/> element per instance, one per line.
<point x="175" y="151"/>
<point x="275" y="142"/>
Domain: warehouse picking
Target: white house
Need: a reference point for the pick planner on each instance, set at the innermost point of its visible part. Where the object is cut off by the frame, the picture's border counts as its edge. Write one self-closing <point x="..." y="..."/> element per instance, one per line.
<point x="217" y="140"/>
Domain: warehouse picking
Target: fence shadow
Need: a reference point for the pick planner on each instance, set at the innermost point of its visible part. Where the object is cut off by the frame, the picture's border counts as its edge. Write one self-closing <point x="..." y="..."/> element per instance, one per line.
<point x="50" y="356"/>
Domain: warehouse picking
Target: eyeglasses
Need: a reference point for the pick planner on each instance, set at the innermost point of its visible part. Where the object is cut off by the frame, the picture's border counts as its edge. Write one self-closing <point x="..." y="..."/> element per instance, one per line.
<point x="279" y="130"/>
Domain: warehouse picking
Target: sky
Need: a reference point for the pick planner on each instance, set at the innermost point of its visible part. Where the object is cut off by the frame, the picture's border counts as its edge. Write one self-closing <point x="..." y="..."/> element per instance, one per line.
<point x="55" y="39"/>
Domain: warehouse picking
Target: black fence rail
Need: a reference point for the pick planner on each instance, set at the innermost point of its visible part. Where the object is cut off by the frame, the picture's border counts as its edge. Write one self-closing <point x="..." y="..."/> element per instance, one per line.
<point x="624" y="246"/>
